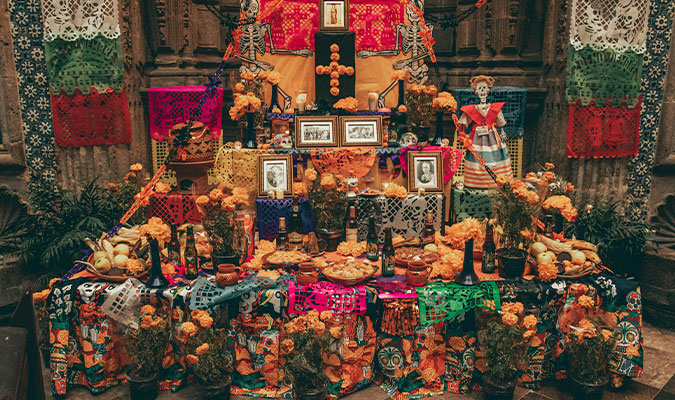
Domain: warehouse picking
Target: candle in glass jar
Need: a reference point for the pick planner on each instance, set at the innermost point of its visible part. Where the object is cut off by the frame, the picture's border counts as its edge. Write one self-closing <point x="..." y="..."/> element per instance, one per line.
<point x="372" y="101"/>
<point x="280" y="193"/>
<point x="301" y="100"/>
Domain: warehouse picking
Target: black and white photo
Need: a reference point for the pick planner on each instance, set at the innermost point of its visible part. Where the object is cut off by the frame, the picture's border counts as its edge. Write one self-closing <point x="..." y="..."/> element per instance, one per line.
<point x="316" y="131"/>
<point x="361" y="130"/>
<point x="274" y="173"/>
<point x="425" y="170"/>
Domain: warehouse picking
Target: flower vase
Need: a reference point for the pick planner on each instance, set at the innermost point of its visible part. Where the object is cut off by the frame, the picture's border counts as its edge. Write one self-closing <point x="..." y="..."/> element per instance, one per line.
<point x="467" y="276"/>
<point x="249" y="139"/>
<point x="438" y="137"/>
<point x="157" y="279"/>
<point x="401" y="93"/>
<point x="274" y="102"/>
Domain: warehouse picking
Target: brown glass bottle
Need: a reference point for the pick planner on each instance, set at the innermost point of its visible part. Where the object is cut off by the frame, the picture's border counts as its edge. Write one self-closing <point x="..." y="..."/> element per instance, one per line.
<point x="295" y="227"/>
<point x="190" y="254"/>
<point x="489" y="250"/>
<point x="282" y="236"/>
<point x="388" y="255"/>
<point x="428" y="233"/>
<point x="372" y="246"/>
<point x="173" y="248"/>
<point x="352" y="229"/>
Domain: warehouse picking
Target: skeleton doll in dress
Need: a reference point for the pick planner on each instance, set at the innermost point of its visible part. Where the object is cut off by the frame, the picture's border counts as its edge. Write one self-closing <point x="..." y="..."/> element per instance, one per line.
<point x="411" y="42"/>
<point x="252" y="43"/>
<point x="484" y="119"/>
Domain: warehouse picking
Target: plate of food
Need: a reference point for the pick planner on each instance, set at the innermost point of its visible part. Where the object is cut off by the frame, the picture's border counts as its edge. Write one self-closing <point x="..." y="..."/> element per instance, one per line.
<point x="368" y="192"/>
<point x="403" y="255"/>
<point x="285" y="258"/>
<point x="349" y="273"/>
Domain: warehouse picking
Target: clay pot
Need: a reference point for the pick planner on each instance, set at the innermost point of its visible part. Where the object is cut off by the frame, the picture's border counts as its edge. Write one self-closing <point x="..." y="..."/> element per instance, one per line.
<point x="417" y="273"/>
<point x="227" y="275"/>
<point x="307" y="273"/>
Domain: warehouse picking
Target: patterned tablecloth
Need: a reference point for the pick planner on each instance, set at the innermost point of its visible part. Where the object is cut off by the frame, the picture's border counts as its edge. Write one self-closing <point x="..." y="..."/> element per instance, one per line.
<point x="439" y="356"/>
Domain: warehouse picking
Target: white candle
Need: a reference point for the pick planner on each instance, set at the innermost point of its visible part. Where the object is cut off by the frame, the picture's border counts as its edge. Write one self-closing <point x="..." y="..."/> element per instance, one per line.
<point x="372" y="101"/>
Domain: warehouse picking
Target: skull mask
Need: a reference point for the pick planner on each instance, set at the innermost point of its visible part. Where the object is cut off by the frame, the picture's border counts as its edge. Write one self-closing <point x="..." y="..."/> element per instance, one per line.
<point x="390" y="359"/>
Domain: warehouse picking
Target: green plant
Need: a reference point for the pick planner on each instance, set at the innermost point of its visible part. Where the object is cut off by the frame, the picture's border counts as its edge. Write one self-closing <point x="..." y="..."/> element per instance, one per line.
<point x="620" y="241"/>
<point x="206" y="346"/>
<point x="589" y="349"/>
<point x="51" y="234"/>
<point x="122" y="195"/>
<point x="418" y="100"/>
<point x="329" y="200"/>
<point x="305" y="349"/>
<point x="226" y="233"/>
<point x="513" y="206"/>
<point x="145" y="344"/>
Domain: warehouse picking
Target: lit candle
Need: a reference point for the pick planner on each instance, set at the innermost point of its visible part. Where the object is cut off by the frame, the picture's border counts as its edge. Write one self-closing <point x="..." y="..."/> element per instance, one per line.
<point x="372" y="101"/>
<point x="420" y="191"/>
<point x="280" y="193"/>
<point x="301" y="100"/>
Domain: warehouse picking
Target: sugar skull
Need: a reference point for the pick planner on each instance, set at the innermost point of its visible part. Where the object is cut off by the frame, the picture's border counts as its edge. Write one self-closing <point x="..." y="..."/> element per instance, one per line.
<point x="268" y="340"/>
<point x="246" y="302"/>
<point x="633" y="301"/>
<point x="391" y="359"/>
<point x="629" y="334"/>
<point x="282" y="142"/>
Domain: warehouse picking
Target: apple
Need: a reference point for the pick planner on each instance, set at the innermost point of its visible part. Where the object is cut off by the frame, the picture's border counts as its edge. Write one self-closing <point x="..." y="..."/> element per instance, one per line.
<point x="537" y="248"/>
<point x="578" y="257"/>
<point x="122" y="248"/>
<point x="102" y="265"/>
<point x="546" y="257"/>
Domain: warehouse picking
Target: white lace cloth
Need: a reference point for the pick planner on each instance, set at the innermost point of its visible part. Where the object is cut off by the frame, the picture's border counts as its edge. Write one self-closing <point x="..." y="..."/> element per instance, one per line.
<point x="75" y="19"/>
<point x="617" y="24"/>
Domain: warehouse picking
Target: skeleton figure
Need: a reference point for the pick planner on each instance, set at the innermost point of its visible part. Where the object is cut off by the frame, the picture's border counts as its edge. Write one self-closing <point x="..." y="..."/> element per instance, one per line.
<point x="411" y="42"/>
<point x="252" y="42"/>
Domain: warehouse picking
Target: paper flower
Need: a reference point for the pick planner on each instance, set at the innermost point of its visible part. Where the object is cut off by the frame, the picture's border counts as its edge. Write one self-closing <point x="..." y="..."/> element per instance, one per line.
<point x="334" y="48"/>
<point x="334" y="91"/>
<point x="335" y="57"/>
<point x="349" y="71"/>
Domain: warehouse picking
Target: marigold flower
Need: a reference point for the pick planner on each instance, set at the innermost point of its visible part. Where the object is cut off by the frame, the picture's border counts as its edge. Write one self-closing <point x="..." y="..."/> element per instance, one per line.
<point x="203" y="349"/>
<point x="287" y="346"/>
<point x="192" y="359"/>
<point x="526" y="234"/>
<point x="515" y="307"/>
<point x="402" y="108"/>
<point x="162" y="187"/>
<point x="399" y="75"/>
<point x="310" y="174"/>
<point x="158" y="322"/>
<point x="335" y="57"/>
<point x="529" y="322"/>
<point x="348" y="103"/>
<point x="569" y="188"/>
<point x="274" y="77"/>
<point x="334" y="91"/>
<point x="549" y="166"/>
<point x="276" y="110"/>
<point x="586" y="302"/>
<point x="247" y="76"/>
<point x="202" y="200"/>
<point x="502" y="180"/>
<point x="216" y="194"/>
<point x="334" y="48"/>
<point x="157" y="229"/>
<point x="547" y="272"/>
<point x="531" y="176"/>
<point x="40" y="297"/>
<point x="319" y="69"/>
<point x="334" y="74"/>
<point x="415" y="88"/>
<point x="148" y="309"/>
<point x="334" y="83"/>
<point x="189" y="328"/>
<point x="146" y="321"/>
<point x="327" y="181"/>
<point x="336" y="332"/>
<point x="509" y="319"/>
<point x="548" y="176"/>
<point x="138" y="167"/>
<point x="333" y="65"/>
<point x="430" y="90"/>
<point x="349" y="71"/>
<point x="607" y="335"/>
<point x="197" y="313"/>
<point x="205" y="321"/>
<point x="113" y="187"/>
<point x="239" y="87"/>
<point x="528" y="333"/>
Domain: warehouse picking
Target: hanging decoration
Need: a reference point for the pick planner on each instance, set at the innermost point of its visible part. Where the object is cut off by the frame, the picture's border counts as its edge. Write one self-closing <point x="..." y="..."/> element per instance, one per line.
<point x="172" y="105"/>
<point x="34" y="100"/>
<point x="604" y="67"/>
<point x="346" y="162"/>
<point x="75" y="19"/>
<point x="659" y="40"/>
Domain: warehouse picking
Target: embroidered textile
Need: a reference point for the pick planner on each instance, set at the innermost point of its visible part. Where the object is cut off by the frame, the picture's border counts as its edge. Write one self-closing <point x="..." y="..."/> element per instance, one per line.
<point x="91" y="120"/>
<point x="452" y="159"/>
<point x="597" y="132"/>
<point x="513" y="111"/>
<point x="354" y="162"/>
<point x="326" y="296"/>
<point x="169" y="106"/>
<point x="80" y="19"/>
<point x="617" y="24"/>
<point x="603" y="76"/>
<point x="659" y="40"/>
<point x="36" y="117"/>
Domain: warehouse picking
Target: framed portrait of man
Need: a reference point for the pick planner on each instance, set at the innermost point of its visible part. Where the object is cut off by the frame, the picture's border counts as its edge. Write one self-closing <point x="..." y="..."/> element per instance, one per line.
<point x="425" y="170"/>
<point x="311" y="131"/>
<point x="334" y="15"/>
<point x="361" y="131"/>
<point x="275" y="173"/>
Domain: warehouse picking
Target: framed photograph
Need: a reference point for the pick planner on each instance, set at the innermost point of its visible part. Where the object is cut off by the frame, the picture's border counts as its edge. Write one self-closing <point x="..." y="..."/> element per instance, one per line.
<point x="334" y="15"/>
<point x="361" y="131"/>
<point x="311" y="131"/>
<point x="275" y="172"/>
<point x="425" y="170"/>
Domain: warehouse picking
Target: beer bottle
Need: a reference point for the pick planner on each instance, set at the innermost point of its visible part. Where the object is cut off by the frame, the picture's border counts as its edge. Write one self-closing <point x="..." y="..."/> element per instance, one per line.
<point x="393" y="129"/>
<point x="489" y="250"/>
<point x="549" y="226"/>
<point x="282" y="236"/>
<point x="295" y="231"/>
<point x="371" y="241"/>
<point x="191" y="259"/>
<point x="388" y="263"/>
<point x="173" y="248"/>
<point x="352" y="228"/>
<point x="428" y="233"/>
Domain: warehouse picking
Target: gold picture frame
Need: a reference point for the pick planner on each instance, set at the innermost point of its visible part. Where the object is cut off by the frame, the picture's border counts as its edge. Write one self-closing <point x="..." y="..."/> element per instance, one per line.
<point x="275" y="172"/>
<point x="425" y="170"/>
<point x="361" y="130"/>
<point x="333" y="15"/>
<point x="316" y="131"/>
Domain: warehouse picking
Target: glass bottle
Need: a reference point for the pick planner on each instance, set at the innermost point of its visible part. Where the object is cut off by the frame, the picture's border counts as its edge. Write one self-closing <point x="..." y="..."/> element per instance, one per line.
<point x="157" y="279"/>
<point x="467" y="276"/>
<point x="295" y="228"/>
<point x="371" y="241"/>
<point x="352" y="229"/>
<point x="393" y="129"/>
<point x="428" y="233"/>
<point x="388" y="255"/>
<point x="173" y="248"/>
<point x="489" y="250"/>
<point x="190" y="254"/>
<point x="282" y="236"/>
